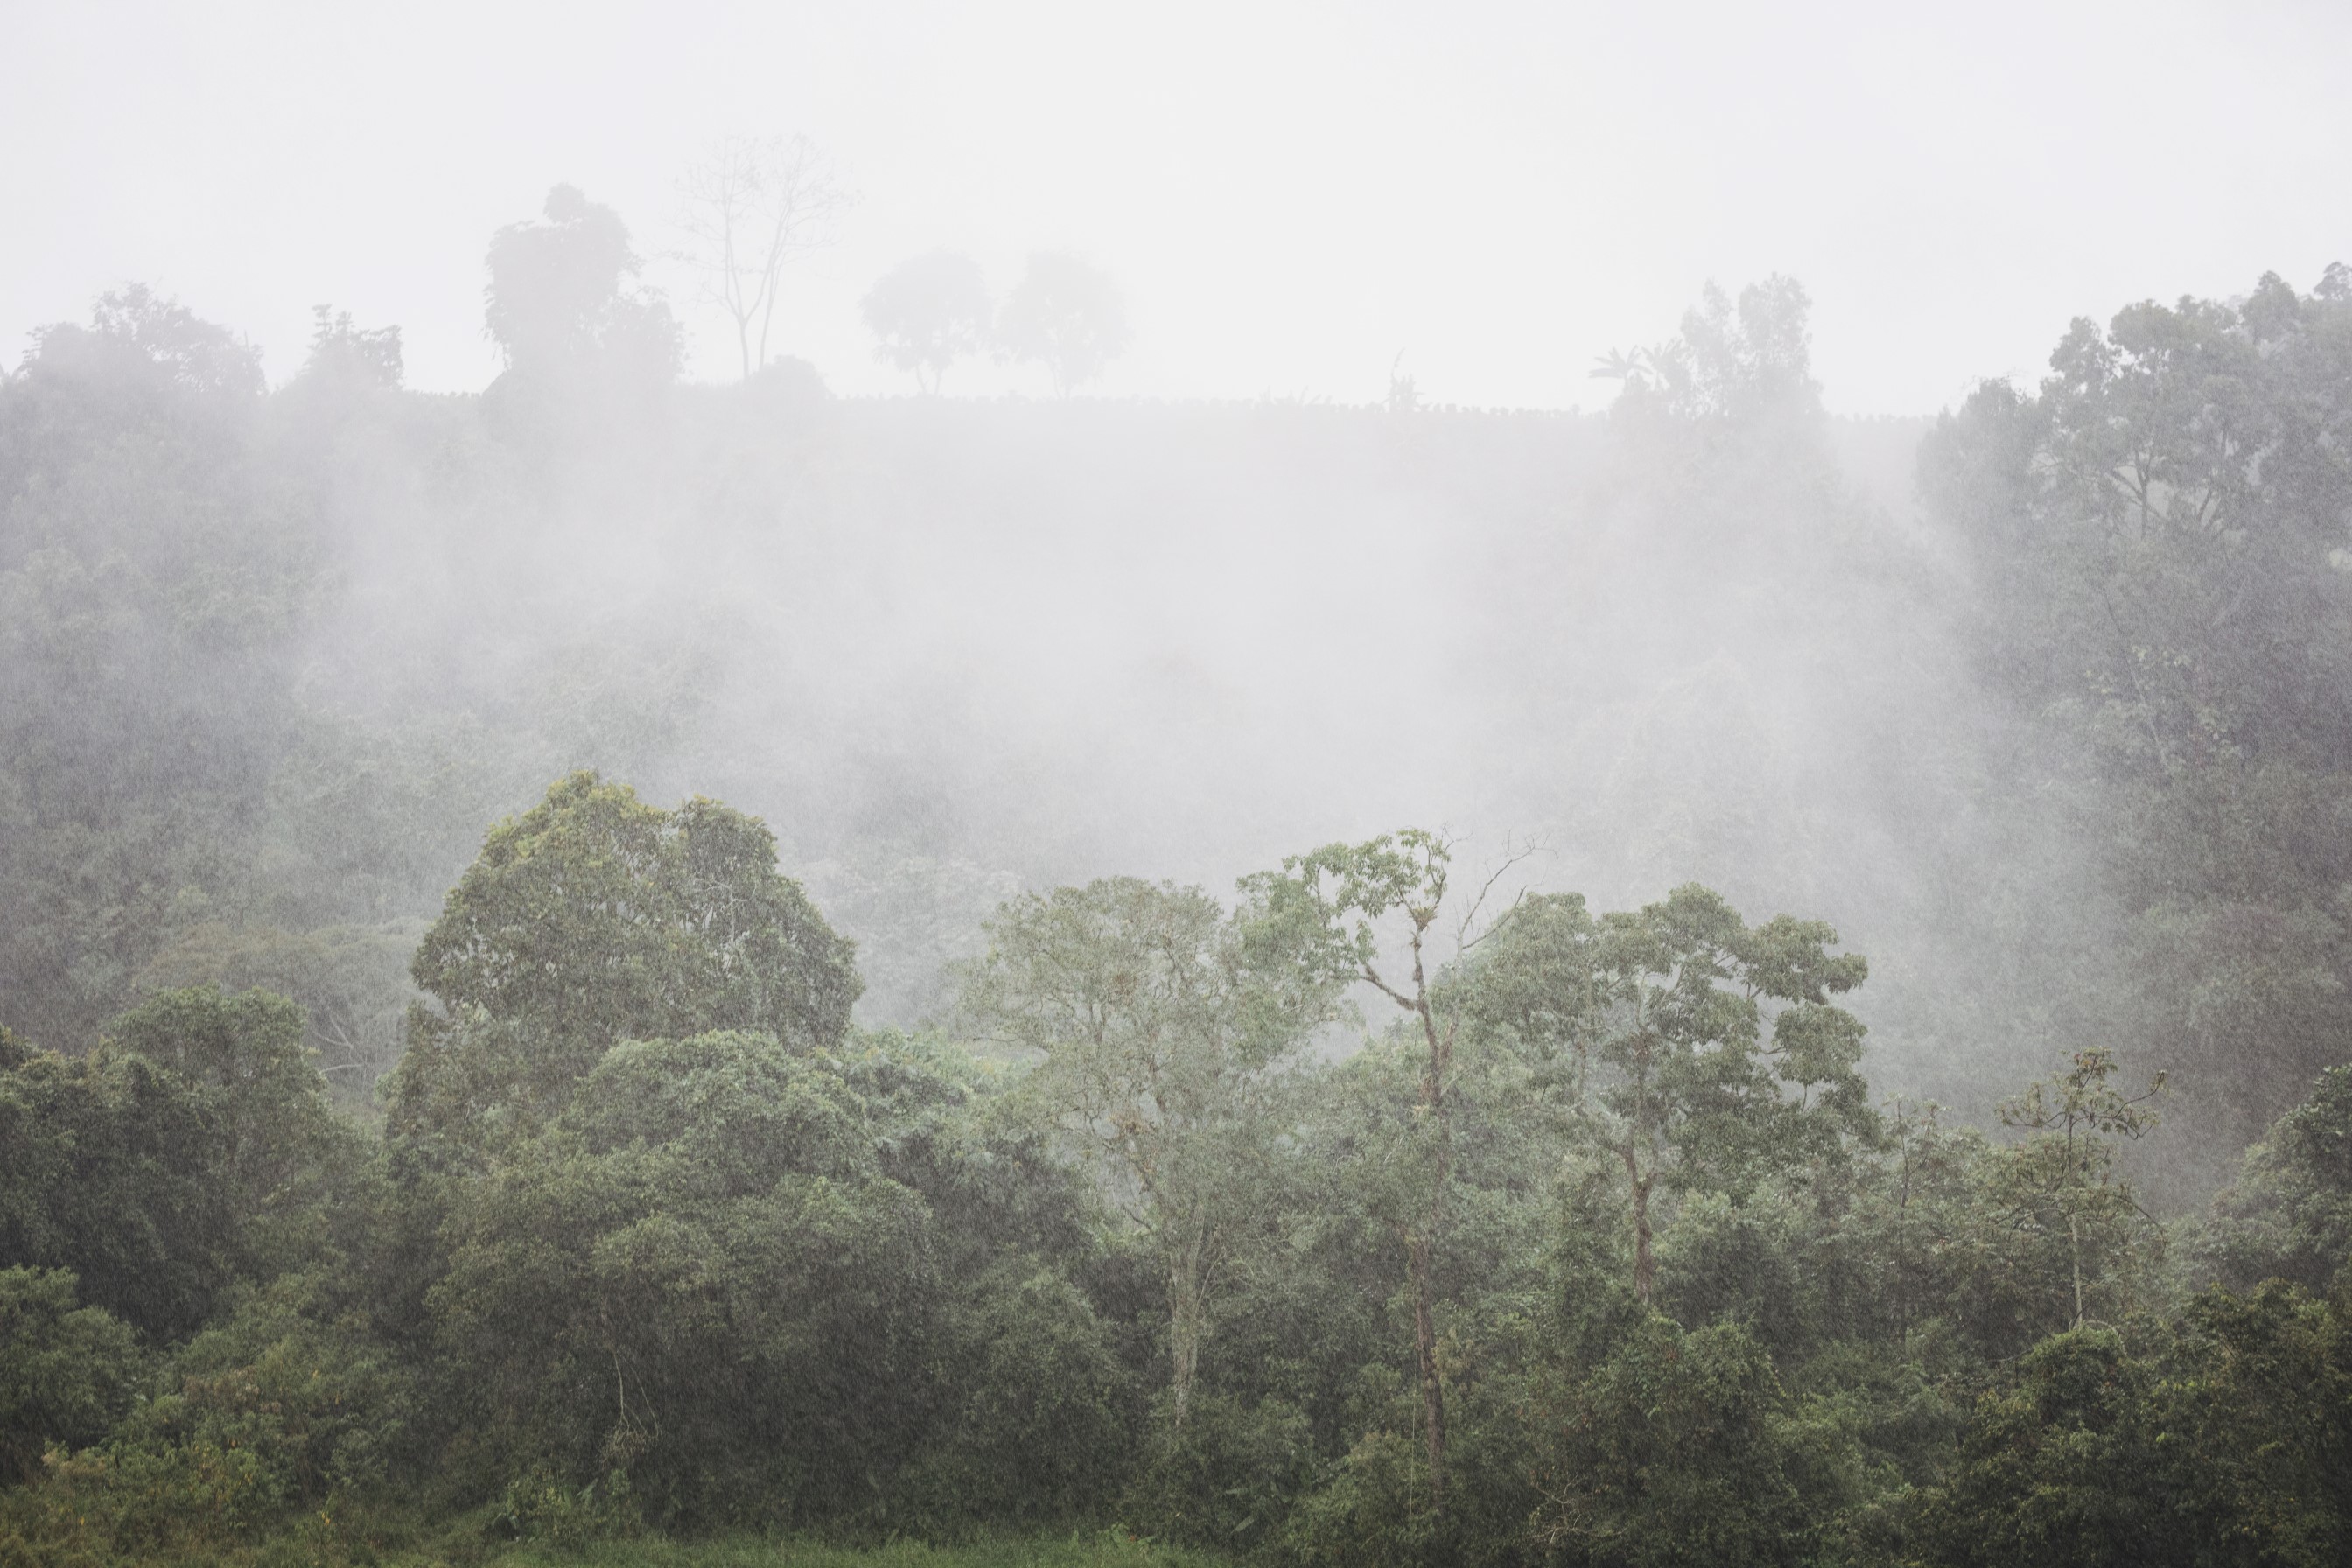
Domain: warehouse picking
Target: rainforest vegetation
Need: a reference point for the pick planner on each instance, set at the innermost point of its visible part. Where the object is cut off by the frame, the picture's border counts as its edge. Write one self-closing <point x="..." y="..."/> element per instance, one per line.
<point x="613" y="967"/>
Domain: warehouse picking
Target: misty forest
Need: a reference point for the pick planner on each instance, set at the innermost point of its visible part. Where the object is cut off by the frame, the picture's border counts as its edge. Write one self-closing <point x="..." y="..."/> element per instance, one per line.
<point x="649" y="969"/>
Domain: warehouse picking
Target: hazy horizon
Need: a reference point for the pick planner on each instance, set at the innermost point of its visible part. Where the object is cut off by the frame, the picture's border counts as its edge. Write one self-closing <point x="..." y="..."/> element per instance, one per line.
<point x="1290" y="197"/>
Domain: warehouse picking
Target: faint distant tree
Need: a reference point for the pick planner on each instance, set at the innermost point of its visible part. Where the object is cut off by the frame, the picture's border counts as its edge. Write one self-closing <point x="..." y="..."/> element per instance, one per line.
<point x="927" y="312"/>
<point x="1404" y="392"/>
<point x="1617" y="364"/>
<point x="1064" y="315"/>
<point x="753" y="205"/>
<point x="1733" y="361"/>
<point x="563" y="306"/>
<point x="351" y="982"/>
<point x="136" y="330"/>
<point x="347" y="355"/>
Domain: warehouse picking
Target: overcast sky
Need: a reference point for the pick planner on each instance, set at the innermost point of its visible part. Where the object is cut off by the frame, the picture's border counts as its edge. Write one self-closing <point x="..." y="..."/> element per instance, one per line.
<point x="1289" y="195"/>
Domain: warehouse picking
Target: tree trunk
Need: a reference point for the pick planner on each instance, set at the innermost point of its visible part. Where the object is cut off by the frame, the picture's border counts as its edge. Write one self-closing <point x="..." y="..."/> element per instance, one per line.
<point x="1188" y="1318"/>
<point x="2075" y="1237"/>
<point x="1421" y="1251"/>
<point x="1645" y="1266"/>
<point x="1433" y="1392"/>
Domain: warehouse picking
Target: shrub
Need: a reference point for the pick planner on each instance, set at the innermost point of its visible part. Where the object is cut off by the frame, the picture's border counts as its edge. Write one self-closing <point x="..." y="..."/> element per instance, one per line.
<point x="1226" y="1478"/>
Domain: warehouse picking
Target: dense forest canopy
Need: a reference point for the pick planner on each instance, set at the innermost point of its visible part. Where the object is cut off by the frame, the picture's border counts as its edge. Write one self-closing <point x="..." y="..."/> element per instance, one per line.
<point x="1030" y="1078"/>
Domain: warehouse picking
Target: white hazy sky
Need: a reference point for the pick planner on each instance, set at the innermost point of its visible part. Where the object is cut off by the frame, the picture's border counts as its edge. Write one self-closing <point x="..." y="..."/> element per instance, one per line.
<point x="1289" y="194"/>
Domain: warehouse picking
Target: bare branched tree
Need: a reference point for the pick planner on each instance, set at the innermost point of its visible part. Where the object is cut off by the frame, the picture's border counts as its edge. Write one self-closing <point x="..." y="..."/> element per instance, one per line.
<point x="752" y="206"/>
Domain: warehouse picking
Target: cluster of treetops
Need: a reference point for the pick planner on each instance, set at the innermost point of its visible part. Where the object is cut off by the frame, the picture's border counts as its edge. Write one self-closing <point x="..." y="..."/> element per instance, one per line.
<point x="1595" y="1251"/>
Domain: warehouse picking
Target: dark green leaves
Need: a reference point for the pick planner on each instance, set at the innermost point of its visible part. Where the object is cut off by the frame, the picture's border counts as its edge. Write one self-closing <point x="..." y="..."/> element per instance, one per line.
<point x="593" y="919"/>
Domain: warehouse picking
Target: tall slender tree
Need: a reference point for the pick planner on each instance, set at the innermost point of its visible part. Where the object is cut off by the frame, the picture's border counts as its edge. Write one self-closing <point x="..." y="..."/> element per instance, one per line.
<point x="752" y="205"/>
<point x="1163" y="1035"/>
<point x="1331" y="906"/>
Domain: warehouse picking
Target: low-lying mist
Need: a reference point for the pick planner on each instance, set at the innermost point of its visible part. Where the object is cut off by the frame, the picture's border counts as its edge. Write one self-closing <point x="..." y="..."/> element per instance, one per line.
<point x="950" y="649"/>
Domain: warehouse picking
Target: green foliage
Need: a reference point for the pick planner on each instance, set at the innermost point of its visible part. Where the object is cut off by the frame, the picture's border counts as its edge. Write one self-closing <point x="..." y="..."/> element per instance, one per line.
<point x="1320" y="917"/>
<point x="1920" y="1248"/>
<point x="2225" y="1444"/>
<point x="253" y="1085"/>
<point x="1090" y="1549"/>
<point x="65" y="1371"/>
<point x="193" y="1149"/>
<point x="152" y="574"/>
<point x="1600" y="1256"/>
<point x="1649" y="1030"/>
<point x="351" y="982"/>
<point x="1675" y="1449"/>
<point x="538" y="1507"/>
<point x="1164" y="1037"/>
<point x="596" y="916"/>
<point x="2257" y="1407"/>
<point x="2059" y="1469"/>
<point x="2061" y="1176"/>
<point x="1224" y="1479"/>
<point x="738" y="1276"/>
<point x="1043" y="1407"/>
<point x="1372" y="1509"/>
<point x="591" y="918"/>
<point x="2289" y="1217"/>
<point x="276" y="1414"/>
<point x="697" y="1274"/>
<point x="2160" y="533"/>
<point x="106" y="1164"/>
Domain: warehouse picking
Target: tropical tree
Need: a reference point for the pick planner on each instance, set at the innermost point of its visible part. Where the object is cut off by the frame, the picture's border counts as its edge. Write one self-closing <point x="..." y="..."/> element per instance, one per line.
<point x="754" y="204"/>
<point x="2160" y="534"/>
<point x="1655" y="1023"/>
<point x="345" y="355"/>
<point x="67" y="1371"/>
<point x="256" y="1089"/>
<point x="350" y="982"/>
<point x="1331" y="905"/>
<point x="192" y="1151"/>
<point x="1162" y="1033"/>
<point x="2062" y="1173"/>
<point x="591" y="918"/>
<point x="2062" y="1467"/>
<point x="1066" y="315"/>
<point x="568" y="315"/>
<point x="1674" y="1451"/>
<point x="155" y="574"/>
<point x="1733" y="361"/>
<point x="928" y="312"/>
<point x="2289" y="1215"/>
<point x="696" y="1275"/>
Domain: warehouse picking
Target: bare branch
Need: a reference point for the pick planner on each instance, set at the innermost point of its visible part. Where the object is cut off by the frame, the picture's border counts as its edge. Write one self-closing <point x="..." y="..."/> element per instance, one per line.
<point x="1463" y="940"/>
<point x="752" y="206"/>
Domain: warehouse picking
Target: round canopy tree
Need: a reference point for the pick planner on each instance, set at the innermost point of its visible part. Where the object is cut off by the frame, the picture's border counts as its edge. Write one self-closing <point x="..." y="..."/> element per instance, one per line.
<point x="594" y="918"/>
<point x="1066" y="316"/>
<point x="928" y="312"/>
